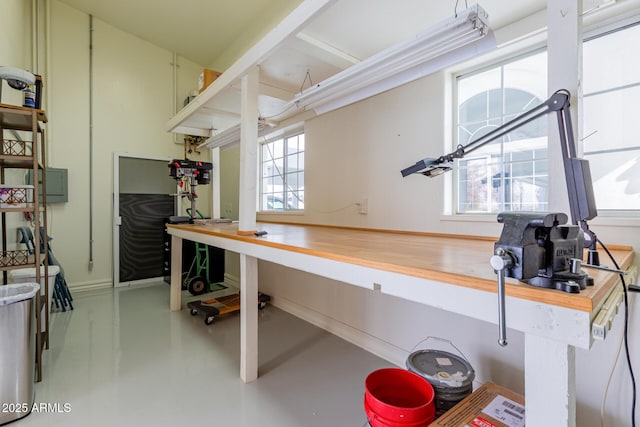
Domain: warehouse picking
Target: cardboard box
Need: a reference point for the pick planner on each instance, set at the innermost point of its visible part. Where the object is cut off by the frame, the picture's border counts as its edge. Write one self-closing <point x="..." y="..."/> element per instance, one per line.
<point x="206" y="78"/>
<point x="489" y="406"/>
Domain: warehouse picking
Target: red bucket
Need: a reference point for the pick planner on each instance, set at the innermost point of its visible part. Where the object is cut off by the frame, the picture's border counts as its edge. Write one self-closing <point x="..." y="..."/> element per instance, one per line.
<point x="396" y="397"/>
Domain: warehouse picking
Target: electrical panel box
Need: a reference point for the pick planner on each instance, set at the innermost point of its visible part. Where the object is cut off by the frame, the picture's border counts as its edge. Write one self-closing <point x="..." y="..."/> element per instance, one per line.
<point x="57" y="184"/>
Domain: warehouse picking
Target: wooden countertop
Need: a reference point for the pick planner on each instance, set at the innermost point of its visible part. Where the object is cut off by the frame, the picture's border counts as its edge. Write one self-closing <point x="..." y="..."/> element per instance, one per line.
<point x="453" y="259"/>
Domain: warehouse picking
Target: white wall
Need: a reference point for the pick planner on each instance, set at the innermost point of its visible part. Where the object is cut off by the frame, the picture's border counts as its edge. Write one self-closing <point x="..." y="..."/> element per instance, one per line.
<point x="15" y="51"/>
<point x="357" y="152"/>
<point x="132" y="101"/>
<point x="15" y="45"/>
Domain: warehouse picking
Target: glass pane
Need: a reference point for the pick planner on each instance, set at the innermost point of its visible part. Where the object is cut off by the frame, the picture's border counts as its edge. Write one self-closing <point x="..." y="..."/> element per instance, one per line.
<point x="266" y="152"/>
<point x="292" y="162"/>
<point x="296" y="200"/>
<point x="484" y="105"/>
<point x="473" y="184"/>
<point x="301" y="142"/>
<point x="278" y="149"/>
<point x="292" y="181"/>
<point x="476" y="87"/>
<point x="292" y="145"/>
<point x="268" y="169"/>
<point x="267" y="185"/>
<point x="525" y="82"/>
<point x="611" y="116"/>
<point x="263" y="203"/>
<point x="278" y="183"/>
<point x="616" y="179"/>
<point x="278" y="166"/>
<point x="519" y="101"/>
<point x="611" y="60"/>
<point x="474" y="130"/>
<point x="274" y="201"/>
<point x="525" y="149"/>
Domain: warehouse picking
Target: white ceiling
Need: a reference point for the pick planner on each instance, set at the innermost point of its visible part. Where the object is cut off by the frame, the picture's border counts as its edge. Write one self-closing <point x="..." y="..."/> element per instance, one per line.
<point x="201" y="30"/>
<point x="205" y="31"/>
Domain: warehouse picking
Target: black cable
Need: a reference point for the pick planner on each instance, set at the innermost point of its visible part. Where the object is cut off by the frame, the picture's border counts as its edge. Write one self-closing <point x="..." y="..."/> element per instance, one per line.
<point x="626" y="334"/>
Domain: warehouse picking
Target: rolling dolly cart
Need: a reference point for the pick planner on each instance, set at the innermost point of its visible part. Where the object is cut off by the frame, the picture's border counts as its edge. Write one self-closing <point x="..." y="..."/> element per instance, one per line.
<point x="222" y="305"/>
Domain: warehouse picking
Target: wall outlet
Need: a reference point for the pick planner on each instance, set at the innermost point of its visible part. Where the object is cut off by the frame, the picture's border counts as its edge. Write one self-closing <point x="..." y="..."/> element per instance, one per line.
<point x="363" y="206"/>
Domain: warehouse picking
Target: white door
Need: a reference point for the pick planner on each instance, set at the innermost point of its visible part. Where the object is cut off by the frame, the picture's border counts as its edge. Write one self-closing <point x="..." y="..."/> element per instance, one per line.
<point x="143" y="190"/>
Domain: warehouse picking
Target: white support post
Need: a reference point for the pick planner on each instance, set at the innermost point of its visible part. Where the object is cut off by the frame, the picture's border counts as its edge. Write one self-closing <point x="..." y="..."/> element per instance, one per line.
<point x="175" y="302"/>
<point x="564" y="71"/>
<point x="550" y="382"/>
<point x="248" y="318"/>
<point x="248" y="151"/>
<point x="215" y="181"/>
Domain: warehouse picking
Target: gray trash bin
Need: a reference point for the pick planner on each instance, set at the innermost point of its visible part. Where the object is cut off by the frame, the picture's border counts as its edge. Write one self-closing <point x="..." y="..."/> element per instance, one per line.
<point x="17" y="349"/>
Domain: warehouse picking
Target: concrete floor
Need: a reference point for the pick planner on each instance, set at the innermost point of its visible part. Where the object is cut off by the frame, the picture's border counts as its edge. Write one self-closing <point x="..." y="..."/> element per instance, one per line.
<point x="121" y="358"/>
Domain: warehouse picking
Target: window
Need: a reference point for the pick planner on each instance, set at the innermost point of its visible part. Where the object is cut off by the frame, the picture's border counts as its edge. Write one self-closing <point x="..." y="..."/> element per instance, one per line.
<point x="282" y="174"/>
<point x="611" y="91"/>
<point x="511" y="174"/>
<point x="508" y="174"/>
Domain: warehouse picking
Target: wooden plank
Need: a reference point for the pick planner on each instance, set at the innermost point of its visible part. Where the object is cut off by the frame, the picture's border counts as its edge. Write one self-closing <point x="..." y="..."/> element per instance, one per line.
<point x="454" y="259"/>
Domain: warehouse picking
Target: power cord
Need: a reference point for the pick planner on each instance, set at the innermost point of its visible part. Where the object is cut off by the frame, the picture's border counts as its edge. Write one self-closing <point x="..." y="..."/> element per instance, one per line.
<point x="603" y="405"/>
<point x="625" y="334"/>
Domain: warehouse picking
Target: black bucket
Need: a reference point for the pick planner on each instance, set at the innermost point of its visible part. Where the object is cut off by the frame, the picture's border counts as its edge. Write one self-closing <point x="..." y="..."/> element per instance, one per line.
<point x="450" y="375"/>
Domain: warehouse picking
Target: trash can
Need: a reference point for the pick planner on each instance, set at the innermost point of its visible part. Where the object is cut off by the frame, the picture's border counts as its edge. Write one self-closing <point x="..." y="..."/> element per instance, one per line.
<point x="18" y="349"/>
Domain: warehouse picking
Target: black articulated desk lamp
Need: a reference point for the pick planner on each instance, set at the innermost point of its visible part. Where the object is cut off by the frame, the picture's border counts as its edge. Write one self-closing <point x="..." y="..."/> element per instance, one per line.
<point x="538" y="248"/>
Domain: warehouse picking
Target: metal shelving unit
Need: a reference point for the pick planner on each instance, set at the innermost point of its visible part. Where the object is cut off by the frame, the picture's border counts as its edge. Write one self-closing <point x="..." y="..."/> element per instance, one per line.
<point x="28" y="154"/>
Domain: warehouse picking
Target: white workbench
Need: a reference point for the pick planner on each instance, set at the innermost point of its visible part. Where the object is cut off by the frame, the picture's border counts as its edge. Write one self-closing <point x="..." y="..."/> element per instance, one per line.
<point x="428" y="269"/>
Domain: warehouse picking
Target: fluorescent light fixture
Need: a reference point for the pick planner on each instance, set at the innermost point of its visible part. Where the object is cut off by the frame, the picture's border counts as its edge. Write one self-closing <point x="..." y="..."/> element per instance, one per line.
<point x="231" y="136"/>
<point x="449" y="42"/>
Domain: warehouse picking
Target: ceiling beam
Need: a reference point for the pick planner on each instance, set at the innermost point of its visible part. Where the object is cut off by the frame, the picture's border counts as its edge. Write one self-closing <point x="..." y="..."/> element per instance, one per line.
<point x="271" y="91"/>
<point x="288" y="27"/>
<point x="324" y="51"/>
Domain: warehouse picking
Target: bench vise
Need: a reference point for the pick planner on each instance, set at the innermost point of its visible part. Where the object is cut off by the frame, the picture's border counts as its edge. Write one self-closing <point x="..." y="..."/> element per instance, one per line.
<point x="543" y="250"/>
<point x="539" y="249"/>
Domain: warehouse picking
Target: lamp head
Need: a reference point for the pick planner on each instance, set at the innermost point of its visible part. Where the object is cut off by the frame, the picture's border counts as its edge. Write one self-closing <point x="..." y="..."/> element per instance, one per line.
<point x="429" y="167"/>
<point x="16" y="77"/>
<point x="438" y="170"/>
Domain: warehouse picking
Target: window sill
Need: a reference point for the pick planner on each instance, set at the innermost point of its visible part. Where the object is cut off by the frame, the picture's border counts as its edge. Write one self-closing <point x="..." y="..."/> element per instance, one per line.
<point x="603" y="220"/>
<point x="485" y="218"/>
<point x="277" y="214"/>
